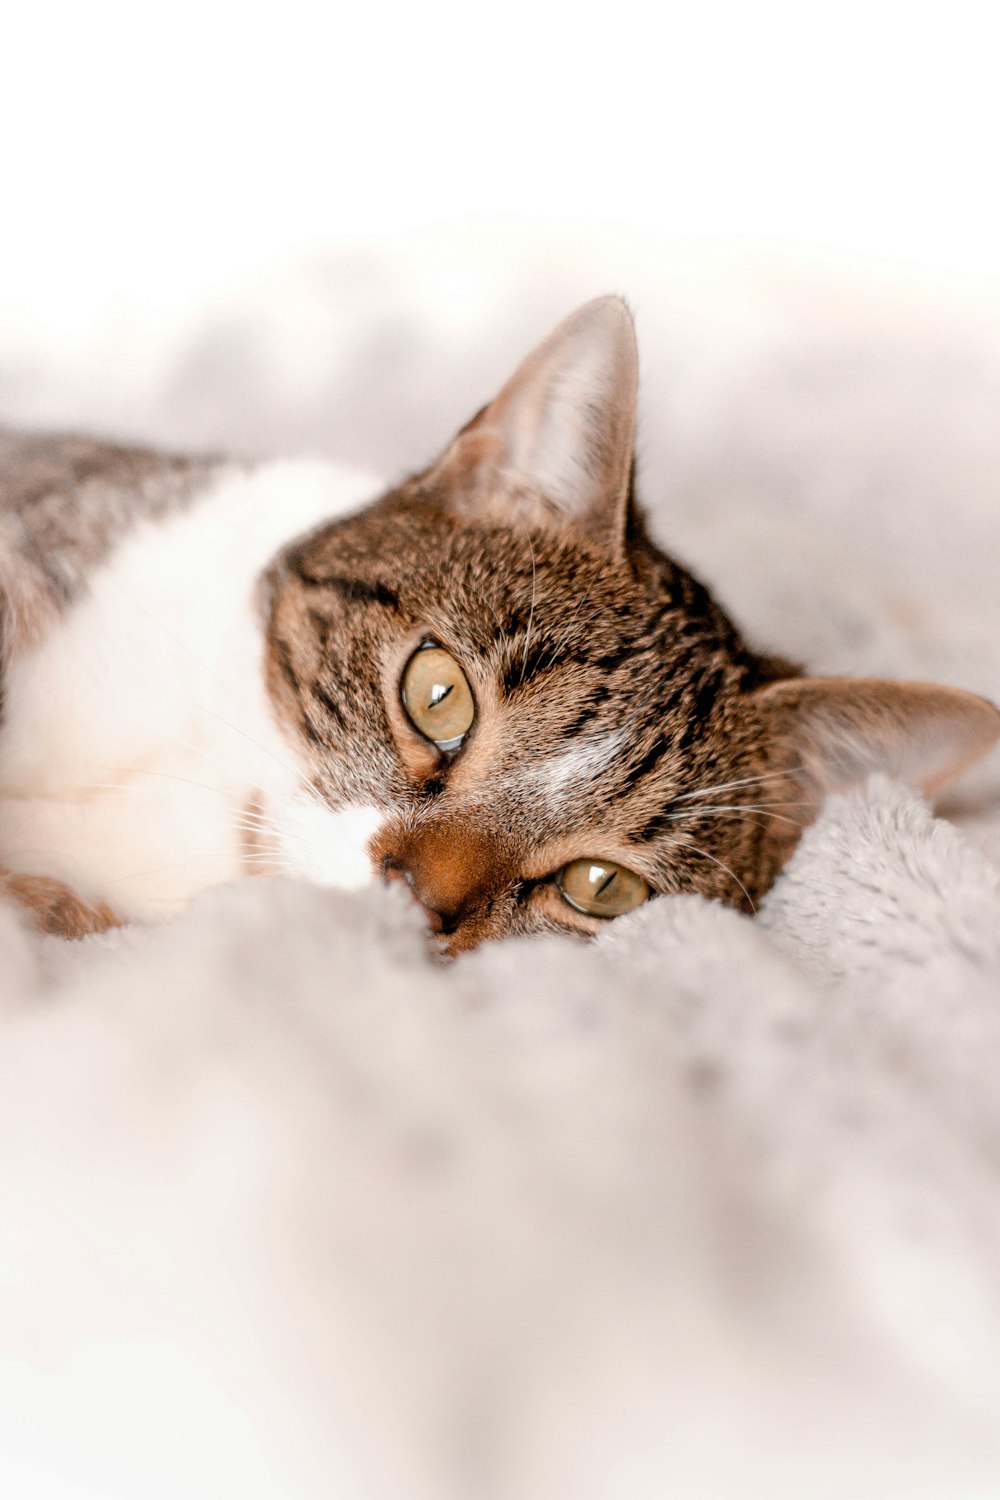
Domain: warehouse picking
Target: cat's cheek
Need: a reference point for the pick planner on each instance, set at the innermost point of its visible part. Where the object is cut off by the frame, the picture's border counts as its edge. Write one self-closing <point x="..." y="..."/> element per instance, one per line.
<point x="329" y="846"/>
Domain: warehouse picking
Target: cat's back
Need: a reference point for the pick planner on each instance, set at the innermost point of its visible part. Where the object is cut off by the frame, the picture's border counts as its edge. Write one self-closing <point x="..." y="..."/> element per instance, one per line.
<point x="66" y="502"/>
<point x="44" y="472"/>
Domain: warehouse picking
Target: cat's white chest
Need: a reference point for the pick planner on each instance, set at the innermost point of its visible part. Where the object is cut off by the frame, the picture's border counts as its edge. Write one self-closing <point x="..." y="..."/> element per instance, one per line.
<point x="139" y="756"/>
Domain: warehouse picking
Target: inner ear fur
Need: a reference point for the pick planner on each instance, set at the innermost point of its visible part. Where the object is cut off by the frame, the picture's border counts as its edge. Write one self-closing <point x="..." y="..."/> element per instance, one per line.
<point x="840" y="730"/>
<point x="555" y="446"/>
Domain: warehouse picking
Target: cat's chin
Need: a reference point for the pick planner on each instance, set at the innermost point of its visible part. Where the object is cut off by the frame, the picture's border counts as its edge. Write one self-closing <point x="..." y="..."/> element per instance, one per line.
<point x="329" y="846"/>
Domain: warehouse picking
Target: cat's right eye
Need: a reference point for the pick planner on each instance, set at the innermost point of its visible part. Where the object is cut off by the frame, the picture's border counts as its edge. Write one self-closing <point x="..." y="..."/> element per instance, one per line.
<point x="599" y="888"/>
<point x="437" y="697"/>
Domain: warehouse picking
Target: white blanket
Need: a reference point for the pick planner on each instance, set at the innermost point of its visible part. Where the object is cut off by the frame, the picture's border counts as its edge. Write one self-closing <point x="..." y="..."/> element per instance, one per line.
<point x="708" y="1209"/>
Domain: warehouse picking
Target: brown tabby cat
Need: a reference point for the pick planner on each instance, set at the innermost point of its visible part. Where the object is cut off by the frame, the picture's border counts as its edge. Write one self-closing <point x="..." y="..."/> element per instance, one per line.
<point x="488" y="683"/>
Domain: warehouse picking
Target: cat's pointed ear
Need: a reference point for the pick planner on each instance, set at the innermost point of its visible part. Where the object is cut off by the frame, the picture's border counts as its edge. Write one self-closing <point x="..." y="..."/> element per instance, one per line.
<point x="840" y="730"/>
<point x="555" y="445"/>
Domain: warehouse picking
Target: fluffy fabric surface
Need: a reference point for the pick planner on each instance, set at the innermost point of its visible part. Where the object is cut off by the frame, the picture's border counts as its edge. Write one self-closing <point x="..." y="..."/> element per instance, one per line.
<point x="709" y="1209"/>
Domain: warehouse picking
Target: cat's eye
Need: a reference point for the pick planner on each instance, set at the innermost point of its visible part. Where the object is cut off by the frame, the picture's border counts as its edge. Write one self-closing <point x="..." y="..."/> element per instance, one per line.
<point x="437" y="697"/>
<point x="600" y="888"/>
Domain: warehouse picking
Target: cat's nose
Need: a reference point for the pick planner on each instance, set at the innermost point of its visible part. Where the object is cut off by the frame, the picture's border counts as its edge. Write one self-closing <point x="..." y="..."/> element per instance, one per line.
<point x="453" y="871"/>
<point x="392" y="870"/>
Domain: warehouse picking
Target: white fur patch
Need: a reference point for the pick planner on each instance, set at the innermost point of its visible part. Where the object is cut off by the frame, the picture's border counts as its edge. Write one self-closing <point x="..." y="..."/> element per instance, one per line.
<point x="327" y="845"/>
<point x="138" y="731"/>
<point x="584" y="761"/>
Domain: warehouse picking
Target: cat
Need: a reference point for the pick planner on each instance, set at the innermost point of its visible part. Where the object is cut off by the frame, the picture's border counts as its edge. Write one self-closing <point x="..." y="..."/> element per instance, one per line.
<point x="487" y="683"/>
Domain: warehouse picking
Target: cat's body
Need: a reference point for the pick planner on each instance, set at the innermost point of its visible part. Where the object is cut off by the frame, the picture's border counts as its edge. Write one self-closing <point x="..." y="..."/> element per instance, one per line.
<point x="190" y="694"/>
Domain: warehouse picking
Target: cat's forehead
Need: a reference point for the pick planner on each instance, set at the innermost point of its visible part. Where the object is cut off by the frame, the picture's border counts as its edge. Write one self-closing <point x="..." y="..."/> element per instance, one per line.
<point x="604" y="671"/>
<point x="488" y="574"/>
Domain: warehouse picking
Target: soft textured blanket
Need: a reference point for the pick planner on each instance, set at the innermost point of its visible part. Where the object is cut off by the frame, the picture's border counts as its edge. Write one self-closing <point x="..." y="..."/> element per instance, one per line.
<point x="709" y="1209"/>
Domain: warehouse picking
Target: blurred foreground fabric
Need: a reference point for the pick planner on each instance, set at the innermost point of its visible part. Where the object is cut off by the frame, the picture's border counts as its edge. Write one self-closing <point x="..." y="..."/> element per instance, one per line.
<point x="709" y="1209"/>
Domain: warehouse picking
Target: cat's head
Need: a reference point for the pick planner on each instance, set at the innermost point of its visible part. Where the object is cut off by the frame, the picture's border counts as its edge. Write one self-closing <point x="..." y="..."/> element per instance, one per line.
<point x="547" y="719"/>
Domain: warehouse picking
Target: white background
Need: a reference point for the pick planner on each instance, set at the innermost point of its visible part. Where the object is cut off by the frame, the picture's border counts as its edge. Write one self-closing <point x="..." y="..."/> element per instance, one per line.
<point x="151" y="153"/>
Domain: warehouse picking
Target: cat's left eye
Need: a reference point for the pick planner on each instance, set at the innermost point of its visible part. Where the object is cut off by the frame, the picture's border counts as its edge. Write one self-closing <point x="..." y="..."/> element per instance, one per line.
<point x="601" y="889"/>
<point x="437" y="697"/>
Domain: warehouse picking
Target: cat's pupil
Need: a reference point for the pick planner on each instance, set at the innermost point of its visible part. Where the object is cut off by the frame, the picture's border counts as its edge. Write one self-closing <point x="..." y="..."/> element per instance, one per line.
<point x="438" y="693"/>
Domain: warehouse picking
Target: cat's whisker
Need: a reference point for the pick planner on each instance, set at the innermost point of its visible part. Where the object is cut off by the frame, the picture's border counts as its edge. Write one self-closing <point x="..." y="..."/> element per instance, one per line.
<point x="705" y="855"/>
<point x="244" y="822"/>
<point x="255" y="828"/>
<point x="252" y="812"/>
<point x="261" y="830"/>
<point x="280" y="834"/>
<point x="728" y="786"/>
<point x="744" y="818"/>
<point x="304" y="788"/>
<point x="196" y="860"/>
<point x="203" y="708"/>
<point x="130" y="786"/>
<point x="264" y="823"/>
<point x="751" y="806"/>
<point x="245" y="819"/>
<point x="732" y="808"/>
<point x="196" y="749"/>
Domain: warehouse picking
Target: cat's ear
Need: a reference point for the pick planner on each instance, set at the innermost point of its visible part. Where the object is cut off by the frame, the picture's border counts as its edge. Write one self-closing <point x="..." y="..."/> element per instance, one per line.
<point x="840" y="730"/>
<point x="555" y="445"/>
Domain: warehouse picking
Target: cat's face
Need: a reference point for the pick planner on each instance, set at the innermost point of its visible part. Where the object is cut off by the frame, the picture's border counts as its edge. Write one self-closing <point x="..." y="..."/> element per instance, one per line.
<point x="548" y="719"/>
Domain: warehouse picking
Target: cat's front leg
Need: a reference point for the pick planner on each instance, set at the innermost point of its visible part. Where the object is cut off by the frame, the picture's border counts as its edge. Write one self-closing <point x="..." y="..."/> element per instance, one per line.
<point x="54" y="908"/>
